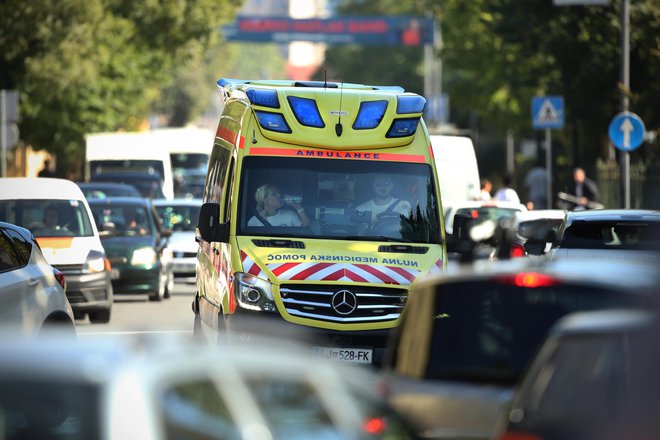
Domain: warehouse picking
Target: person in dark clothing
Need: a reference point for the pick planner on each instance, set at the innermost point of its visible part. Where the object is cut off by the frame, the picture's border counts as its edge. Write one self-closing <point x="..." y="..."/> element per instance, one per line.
<point x="46" y="171"/>
<point x="584" y="188"/>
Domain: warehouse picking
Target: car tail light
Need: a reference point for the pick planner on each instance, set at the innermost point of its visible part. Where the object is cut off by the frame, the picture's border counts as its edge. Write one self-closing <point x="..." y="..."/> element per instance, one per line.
<point x="59" y="276"/>
<point x="517" y="251"/>
<point x="374" y="426"/>
<point x="528" y="279"/>
<point x="519" y="435"/>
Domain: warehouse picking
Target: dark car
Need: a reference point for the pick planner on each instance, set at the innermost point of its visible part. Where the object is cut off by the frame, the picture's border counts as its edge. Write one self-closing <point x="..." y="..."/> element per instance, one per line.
<point x="104" y="190"/>
<point x="136" y="246"/>
<point x="594" y="378"/>
<point x="466" y="338"/>
<point x="149" y="185"/>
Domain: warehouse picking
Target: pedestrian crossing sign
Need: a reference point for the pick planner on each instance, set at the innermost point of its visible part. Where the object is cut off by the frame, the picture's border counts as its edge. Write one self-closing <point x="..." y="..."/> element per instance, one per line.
<point x="548" y="112"/>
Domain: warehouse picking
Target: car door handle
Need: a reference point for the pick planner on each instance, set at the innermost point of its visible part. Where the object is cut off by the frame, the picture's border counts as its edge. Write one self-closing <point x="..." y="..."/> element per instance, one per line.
<point x="33" y="282"/>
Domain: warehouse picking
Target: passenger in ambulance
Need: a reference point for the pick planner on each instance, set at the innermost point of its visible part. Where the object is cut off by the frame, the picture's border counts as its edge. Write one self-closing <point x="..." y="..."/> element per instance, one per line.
<point x="384" y="204"/>
<point x="270" y="210"/>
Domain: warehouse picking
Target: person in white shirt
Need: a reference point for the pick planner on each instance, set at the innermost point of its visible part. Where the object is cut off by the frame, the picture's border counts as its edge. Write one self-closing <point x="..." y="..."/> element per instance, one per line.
<point x="506" y="193"/>
<point x="271" y="210"/>
<point x="383" y="201"/>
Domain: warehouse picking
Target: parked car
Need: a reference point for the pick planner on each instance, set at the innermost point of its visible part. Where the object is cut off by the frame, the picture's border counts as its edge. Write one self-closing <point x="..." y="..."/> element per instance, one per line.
<point x="180" y="216"/>
<point x="32" y="297"/>
<point x="608" y="233"/>
<point x="167" y="388"/>
<point x="467" y="336"/>
<point x="594" y="378"/>
<point x="136" y="246"/>
<point x="148" y="184"/>
<point x="57" y="213"/>
<point x="108" y="189"/>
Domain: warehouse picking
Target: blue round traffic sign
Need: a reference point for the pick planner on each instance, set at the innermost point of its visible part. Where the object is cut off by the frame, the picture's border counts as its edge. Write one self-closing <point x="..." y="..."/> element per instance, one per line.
<point x="627" y="131"/>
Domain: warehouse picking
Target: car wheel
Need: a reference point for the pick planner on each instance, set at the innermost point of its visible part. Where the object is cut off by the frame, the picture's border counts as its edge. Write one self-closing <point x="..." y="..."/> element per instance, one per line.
<point x="170" y="285"/>
<point x="100" y="316"/>
<point x="160" y="293"/>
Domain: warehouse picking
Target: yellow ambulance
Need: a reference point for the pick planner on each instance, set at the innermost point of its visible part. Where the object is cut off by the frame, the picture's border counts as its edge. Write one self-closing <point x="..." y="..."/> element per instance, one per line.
<point x="321" y="209"/>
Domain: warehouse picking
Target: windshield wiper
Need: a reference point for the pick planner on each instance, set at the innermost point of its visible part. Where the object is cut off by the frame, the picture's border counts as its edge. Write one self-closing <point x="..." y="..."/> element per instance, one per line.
<point x="375" y="238"/>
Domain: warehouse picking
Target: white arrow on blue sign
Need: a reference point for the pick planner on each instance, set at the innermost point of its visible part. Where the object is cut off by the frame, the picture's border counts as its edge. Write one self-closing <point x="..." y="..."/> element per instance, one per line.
<point x="548" y="112"/>
<point x="627" y="131"/>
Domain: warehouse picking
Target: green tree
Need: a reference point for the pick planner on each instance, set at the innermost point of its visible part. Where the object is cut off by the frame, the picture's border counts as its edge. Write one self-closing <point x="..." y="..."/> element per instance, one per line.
<point x="84" y="66"/>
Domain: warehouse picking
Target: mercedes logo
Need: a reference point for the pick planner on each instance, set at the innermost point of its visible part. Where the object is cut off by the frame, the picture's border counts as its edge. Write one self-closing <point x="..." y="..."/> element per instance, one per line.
<point x="344" y="302"/>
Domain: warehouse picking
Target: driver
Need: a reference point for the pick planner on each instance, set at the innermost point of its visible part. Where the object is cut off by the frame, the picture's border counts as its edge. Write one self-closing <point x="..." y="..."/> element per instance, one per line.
<point x="383" y="202"/>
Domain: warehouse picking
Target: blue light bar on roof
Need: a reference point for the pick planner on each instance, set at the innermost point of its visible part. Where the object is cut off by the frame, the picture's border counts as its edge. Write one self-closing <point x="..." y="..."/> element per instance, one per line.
<point x="273" y="121"/>
<point x="263" y="97"/>
<point x="370" y="114"/>
<point x="410" y="104"/>
<point x="306" y="111"/>
<point x="403" y="127"/>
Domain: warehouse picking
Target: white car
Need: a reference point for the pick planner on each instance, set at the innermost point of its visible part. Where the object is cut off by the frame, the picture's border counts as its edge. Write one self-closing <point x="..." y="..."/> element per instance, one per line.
<point x="180" y="216"/>
<point x="32" y="295"/>
<point x="153" y="387"/>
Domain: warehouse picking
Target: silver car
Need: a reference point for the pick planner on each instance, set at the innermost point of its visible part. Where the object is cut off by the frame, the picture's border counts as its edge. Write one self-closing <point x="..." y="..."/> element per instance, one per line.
<point x="32" y="296"/>
<point x="181" y="216"/>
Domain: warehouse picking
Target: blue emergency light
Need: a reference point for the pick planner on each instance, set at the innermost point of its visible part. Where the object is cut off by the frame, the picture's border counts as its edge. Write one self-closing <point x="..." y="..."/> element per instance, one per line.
<point x="264" y="98"/>
<point x="370" y="115"/>
<point x="410" y="104"/>
<point x="306" y="111"/>
<point x="403" y="127"/>
<point x="273" y="121"/>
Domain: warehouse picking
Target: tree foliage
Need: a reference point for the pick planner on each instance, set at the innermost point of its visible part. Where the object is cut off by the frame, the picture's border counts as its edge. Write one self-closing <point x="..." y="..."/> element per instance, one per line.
<point x="84" y="66"/>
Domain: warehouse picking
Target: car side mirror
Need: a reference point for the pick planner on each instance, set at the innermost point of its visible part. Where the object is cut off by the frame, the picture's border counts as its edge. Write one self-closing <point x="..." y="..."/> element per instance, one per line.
<point x="209" y="226"/>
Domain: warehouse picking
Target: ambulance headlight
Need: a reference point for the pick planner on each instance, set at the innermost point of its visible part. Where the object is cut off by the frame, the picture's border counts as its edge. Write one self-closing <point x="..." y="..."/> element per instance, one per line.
<point x="253" y="293"/>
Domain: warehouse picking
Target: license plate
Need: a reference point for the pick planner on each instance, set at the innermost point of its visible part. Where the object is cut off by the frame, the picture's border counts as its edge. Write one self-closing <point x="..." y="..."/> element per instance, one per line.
<point x="351" y="355"/>
<point x="114" y="274"/>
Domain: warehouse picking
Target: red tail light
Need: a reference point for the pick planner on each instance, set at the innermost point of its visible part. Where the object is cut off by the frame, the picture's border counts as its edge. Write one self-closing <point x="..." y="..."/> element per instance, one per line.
<point x="517" y="251"/>
<point x="374" y="426"/>
<point x="59" y="276"/>
<point x="519" y="435"/>
<point x="528" y="279"/>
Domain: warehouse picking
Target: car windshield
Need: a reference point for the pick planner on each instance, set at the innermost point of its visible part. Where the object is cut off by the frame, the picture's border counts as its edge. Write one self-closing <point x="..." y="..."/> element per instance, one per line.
<point x="189" y="161"/>
<point x="128" y="219"/>
<point x="48" y="218"/>
<point x="102" y="192"/>
<point x="341" y="199"/>
<point x="488" y="331"/>
<point x="638" y="235"/>
<point x="31" y="409"/>
<point x="179" y="217"/>
<point x="481" y="214"/>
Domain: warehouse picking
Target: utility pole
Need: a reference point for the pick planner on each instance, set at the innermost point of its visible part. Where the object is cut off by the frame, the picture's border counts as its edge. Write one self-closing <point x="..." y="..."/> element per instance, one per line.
<point x="625" y="88"/>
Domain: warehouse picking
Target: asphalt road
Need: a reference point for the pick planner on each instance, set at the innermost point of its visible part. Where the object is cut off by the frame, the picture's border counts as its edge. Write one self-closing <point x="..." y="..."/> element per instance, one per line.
<point x="134" y="314"/>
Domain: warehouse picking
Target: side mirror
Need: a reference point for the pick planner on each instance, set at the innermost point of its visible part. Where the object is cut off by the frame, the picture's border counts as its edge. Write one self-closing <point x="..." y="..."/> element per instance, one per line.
<point x="209" y="226"/>
<point x="107" y="229"/>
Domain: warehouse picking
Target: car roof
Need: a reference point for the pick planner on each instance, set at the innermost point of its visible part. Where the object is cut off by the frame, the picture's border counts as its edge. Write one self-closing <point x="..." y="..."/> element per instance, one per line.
<point x="621" y="273"/>
<point x="126" y="174"/>
<point x="21" y="230"/>
<point x="104" y="184"/>
<point x="613" y="214"/>
<point x="17" y="188"/>
<point x="123" y="200"/>
<point x="182" y="201"/>
<point x="601" y="322"/>
<point x="540" y="214"/>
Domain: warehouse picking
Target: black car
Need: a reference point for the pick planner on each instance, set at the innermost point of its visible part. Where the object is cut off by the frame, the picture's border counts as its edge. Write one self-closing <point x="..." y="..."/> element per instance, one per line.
<point x="466" y="338"/>
<point x="149" y="185"/>
<point x="136" y="246"/>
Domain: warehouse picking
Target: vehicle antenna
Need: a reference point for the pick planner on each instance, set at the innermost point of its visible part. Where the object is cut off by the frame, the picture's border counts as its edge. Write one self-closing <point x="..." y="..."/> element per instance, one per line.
<point x="338" y="126"/>
<point x="254" y="137"/>
<point x="325" y="78"/>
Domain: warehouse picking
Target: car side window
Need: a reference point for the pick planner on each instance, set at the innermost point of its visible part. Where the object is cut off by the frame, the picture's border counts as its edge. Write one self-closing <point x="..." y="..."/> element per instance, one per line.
<point x="195" y="410"/>
<point x="9" y="259"/>
<point x="21" y="244"/>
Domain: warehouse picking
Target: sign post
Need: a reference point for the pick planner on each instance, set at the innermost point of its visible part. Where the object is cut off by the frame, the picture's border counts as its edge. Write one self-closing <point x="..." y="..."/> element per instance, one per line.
<point x="626" y="133"/>
<point x="548" y="113"/>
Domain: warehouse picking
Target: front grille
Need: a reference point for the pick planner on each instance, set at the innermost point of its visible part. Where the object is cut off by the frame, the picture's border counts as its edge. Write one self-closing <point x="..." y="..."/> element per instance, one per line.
<point x="70" y="269"/>
<point x="77" y="297"/>
<point x="314" y="301"/>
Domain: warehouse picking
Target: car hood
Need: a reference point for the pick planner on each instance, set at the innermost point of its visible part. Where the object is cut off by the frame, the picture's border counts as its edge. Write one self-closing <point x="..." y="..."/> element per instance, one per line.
<point x="183" y="241"/>
<point x="445" y="409"/>
<point x="60" y="251"/>
<point x="121" y="246"/>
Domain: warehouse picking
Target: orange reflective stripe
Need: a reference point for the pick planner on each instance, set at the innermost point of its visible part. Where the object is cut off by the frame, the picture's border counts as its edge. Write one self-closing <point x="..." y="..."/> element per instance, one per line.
<point x="334" y="154"/>
<point x="55" y="242"/>
<point x="230" y="136"/>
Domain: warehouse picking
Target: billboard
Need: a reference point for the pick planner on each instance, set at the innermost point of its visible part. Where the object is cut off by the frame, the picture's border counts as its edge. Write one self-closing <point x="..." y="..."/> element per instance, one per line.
<point x="383" y="31"/>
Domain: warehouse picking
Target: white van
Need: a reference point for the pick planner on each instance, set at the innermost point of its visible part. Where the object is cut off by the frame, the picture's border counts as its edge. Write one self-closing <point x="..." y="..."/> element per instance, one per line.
<point x="190" y="149"/>
<point x="142" y="152"/>
<point x="458" y="172"/>
<point x="57" y="213"/>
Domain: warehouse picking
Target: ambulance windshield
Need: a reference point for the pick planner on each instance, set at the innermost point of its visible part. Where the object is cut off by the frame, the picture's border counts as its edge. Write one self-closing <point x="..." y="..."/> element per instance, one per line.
<point x="338" y="199"/>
